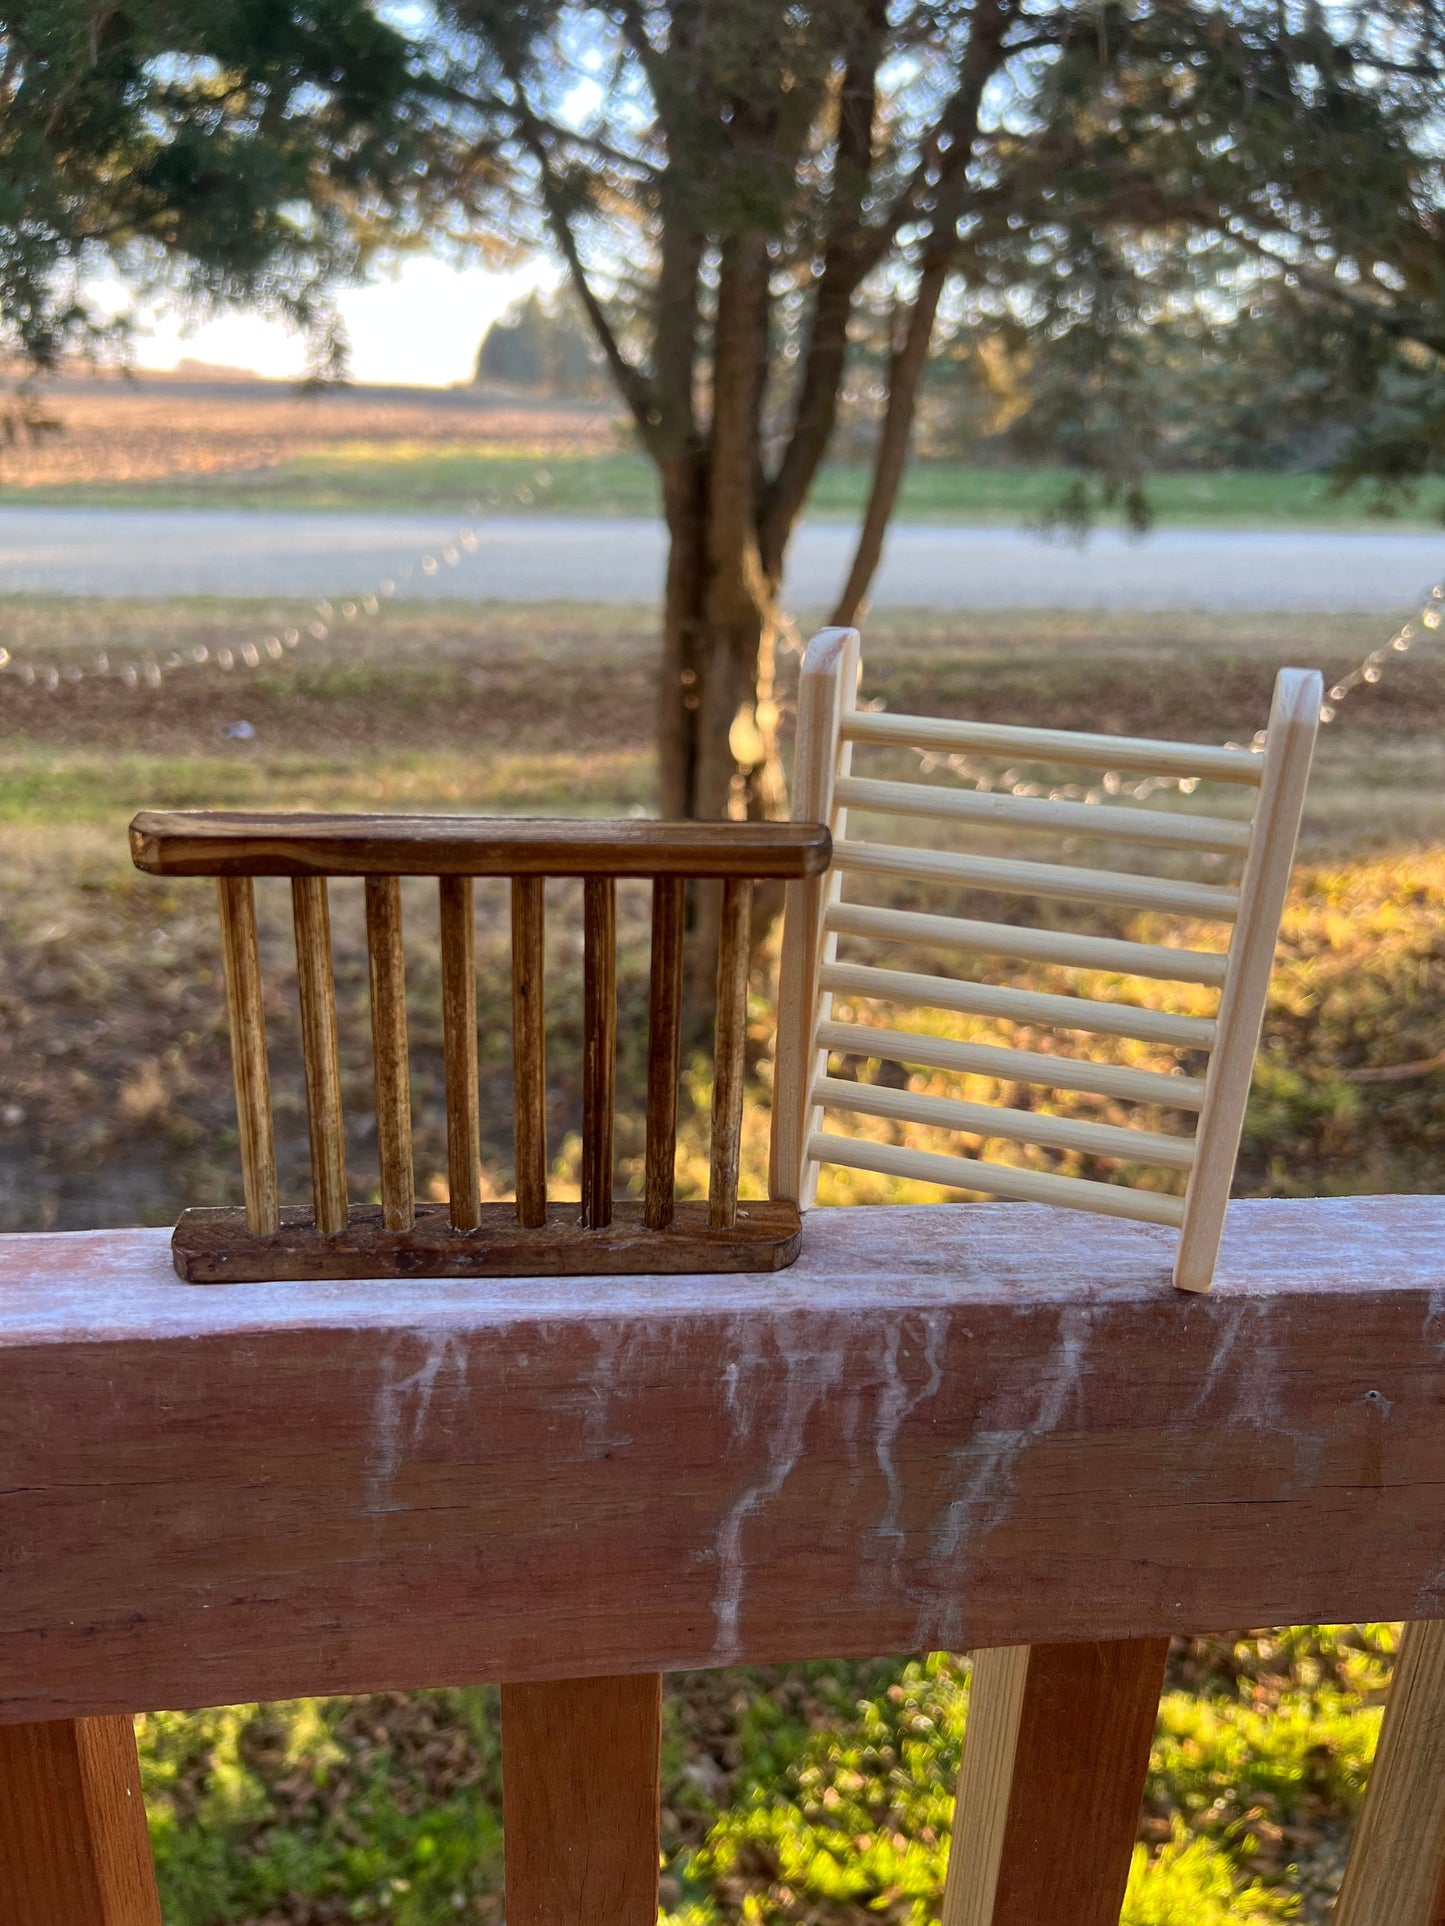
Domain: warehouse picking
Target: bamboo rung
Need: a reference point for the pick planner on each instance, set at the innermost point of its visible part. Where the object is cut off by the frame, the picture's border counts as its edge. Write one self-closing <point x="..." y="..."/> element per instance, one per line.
<point x="316" y="991"/>
<point x="599" y="1048"/>
<point x="998" y="1180"/>
<point x="1040" y="814"/>
<point x="729" y="1052"/>
<point x="1148" y="757"/>
<point x="241" y="960"/>
<point x="459" y="1046"/>
<point x="664" y="1049"/>
<point x="1062" y="947"/>
<point x="1018" y="1006"/>
<point x="1009" y="878"/>
<point x="995" y="1120"/>
<point x="389" y="1053"/>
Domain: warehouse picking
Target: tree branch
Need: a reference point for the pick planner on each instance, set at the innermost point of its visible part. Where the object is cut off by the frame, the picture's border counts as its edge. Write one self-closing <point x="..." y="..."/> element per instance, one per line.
<point x="632" y="384"/>
<point x="984" y="56"/>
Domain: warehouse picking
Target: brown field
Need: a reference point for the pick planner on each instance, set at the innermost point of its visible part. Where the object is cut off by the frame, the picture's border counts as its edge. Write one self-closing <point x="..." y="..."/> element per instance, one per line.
<point x="160" y="427"/>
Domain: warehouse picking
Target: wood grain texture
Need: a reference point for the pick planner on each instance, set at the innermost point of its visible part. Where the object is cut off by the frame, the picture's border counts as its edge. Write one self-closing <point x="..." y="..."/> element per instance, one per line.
<point x="1002" y="810"/>
<point x="316" y="993"/>
<point x="581" y="1777"/>
<point x="459" y="1051"/>
<point x="1084" y="1722"/>
<point x="241" y="962"/>
<point x="529" y="1049"/>
<point x="1138" y="754"/>
<point x="985" y="1781"/>
<point x="599" y="1047"/>
<point x="214" y="1247"/>
<point x="664" y="1048"/>
<point x="214" y="843"/>
<point x="391" y="1065"/>
<point x="946" y="1427"/>
<point x="1396" y="1870"/>
<point x="73" y="1844"/>
<point x="1008" y="876"/>
<point x="1036" y="946"/>
<point x="1293" y="725"/>
<point x="730" y="1037"/>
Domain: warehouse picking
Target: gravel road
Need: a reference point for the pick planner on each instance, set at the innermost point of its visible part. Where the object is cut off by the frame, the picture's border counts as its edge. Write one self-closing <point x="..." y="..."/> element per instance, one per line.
<point x="150" y="552"/>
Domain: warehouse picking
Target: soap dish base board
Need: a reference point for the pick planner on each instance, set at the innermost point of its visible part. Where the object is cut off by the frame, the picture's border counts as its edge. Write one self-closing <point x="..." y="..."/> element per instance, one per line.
<point x="214" y="1246"/>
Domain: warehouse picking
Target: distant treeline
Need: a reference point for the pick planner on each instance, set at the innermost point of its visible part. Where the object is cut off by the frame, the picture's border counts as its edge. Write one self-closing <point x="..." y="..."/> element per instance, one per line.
<point x="1278" y="387"/>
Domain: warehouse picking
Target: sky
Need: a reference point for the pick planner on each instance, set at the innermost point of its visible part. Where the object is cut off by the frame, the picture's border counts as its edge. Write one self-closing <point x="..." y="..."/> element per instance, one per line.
<point x="418" y="325"/>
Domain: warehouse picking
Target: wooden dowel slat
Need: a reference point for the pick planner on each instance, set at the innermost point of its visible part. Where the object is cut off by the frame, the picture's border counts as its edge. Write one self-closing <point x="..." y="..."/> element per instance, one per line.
<point x="996" y="1120"/>
<point x="529" y="1051"/>
<point x="581" y="1778"/>
<point x="1061" y="947"/>
<point x="1157" y="827"/>
<point x="316" y="993"/>
<point x="1020" y="1006"/>
<point x="459" y="1049"/>
<point x="599" y="1047"/>
<point x="241" y="960"/>
<point x="389" y="1051"/>
<point x="729" y="1052"/>
<point x="1014" y="1066"/>
<point x="1173" y="1091"/>
<point x="73" y="1844"/>
<point x="1138" y="754"/>
<point x="664" y="1048"/>
<point x="1051" y="1783"/>
<point x="1007" y="877"/>
<point x="997" y="1180"/>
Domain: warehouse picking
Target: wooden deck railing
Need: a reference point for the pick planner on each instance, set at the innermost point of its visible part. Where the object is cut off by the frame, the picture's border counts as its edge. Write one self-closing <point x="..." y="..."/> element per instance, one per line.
<point x="974" y="1426"/>
<point x="465" y="1237"/>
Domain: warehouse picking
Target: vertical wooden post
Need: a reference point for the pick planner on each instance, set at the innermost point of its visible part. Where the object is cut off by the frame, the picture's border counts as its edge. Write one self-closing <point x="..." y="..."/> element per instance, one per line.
<point x="1055" y="1754"/>
<point x="1396" y="1870"/>
<point x="599" y="1048"/>
<point x="664" y="1049"/>
<point x="580" y="1783"/>
<point x="316" y="991"/>
<point x="73" y="1843"/>
<point x="730" y="1051"/>
<point x="1294" y="721"/>
<point x="529" y="1051"/>
<point x="459" y="1049"/>
<point x="827" y="691"/>
<point x="389" y="1052"/>
<point x="241" y="959"/>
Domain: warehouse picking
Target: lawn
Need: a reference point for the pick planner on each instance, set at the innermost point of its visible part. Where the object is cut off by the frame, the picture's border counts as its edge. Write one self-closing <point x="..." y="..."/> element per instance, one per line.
<point x="432" y="475"/>
<point x="816" y="1794"/>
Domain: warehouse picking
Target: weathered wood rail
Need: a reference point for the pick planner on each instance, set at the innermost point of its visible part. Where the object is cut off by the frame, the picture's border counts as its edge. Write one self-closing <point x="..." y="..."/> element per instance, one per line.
<point x="950" y="1426"/>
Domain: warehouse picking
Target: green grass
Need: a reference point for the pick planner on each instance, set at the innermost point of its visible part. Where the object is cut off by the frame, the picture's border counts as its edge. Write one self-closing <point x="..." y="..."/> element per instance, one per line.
<point x="399" y="476"/>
